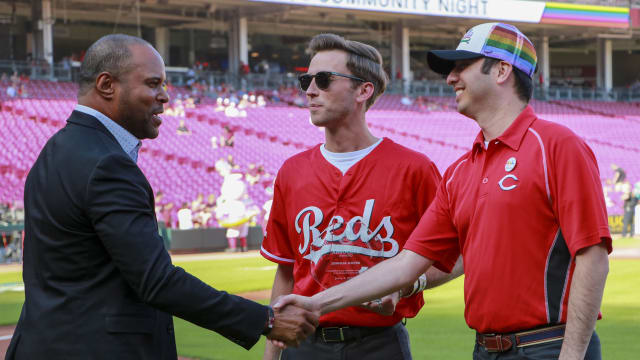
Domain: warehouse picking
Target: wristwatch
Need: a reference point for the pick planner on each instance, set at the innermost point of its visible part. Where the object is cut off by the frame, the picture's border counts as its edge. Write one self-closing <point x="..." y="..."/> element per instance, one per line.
<point x="271" y="319"/>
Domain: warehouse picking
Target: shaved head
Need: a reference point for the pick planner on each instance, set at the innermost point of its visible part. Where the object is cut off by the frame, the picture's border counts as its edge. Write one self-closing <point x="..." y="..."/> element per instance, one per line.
<point x="110" y="53"/>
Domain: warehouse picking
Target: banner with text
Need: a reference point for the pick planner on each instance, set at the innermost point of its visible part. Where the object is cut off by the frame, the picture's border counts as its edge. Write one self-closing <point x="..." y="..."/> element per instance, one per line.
<point x="500" y="10"/>
<point x="506" y="10"/>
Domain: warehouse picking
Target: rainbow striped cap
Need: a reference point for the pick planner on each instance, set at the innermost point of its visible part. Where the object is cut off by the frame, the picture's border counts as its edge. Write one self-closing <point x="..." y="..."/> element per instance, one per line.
<point x="494" y="40"/>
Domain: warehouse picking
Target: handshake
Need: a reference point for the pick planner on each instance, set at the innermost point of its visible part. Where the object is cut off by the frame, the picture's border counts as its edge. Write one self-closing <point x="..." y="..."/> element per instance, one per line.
<point x="296" y="317"/>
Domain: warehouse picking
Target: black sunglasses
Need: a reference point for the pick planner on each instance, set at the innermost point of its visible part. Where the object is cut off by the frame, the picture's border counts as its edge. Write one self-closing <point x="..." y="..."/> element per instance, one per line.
<point x="323" y="79"/>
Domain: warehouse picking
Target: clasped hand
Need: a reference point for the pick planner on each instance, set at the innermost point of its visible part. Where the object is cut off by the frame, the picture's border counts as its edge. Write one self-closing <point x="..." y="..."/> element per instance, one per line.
<point x="308" y="311"/>
<point x="292" y="325"/>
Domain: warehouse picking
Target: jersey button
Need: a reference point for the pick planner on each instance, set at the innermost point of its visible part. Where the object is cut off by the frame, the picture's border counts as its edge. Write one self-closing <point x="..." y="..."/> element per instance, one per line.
<point x="485" y="180"/>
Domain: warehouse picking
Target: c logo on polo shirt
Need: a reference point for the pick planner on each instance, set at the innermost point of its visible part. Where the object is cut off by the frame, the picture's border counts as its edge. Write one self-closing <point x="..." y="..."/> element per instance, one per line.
<point x="507" y="188"/>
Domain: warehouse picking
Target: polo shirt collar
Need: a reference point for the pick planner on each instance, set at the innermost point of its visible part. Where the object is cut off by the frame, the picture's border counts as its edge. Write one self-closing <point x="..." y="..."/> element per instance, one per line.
<point x="512" y="137"/>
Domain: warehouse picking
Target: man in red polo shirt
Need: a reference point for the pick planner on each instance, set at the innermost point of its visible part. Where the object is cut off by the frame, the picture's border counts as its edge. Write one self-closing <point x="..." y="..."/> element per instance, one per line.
<point x="524" y="207"/>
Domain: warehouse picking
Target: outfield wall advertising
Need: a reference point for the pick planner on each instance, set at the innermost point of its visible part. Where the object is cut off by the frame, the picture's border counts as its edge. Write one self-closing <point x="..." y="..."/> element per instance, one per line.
<point x="502" y="10"/>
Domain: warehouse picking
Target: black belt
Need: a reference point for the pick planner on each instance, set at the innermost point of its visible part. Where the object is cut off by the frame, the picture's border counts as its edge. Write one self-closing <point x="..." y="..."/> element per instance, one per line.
<point x="504" y="342"/>
<point x="347" y="333"/>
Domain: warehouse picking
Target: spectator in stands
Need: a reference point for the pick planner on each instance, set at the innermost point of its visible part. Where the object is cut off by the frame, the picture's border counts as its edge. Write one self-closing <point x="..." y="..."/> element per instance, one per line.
<point x="275" y="96"/>
<point x="163" y="210"/>
<point x="298" y="100"/>
<point x="233" y="97"/>
<point x="260" y="101"/>
<point x="232" y="212"/>
<point x="23" y="91"/>
<point x="253" y="174"/>
<point x="420" y="104"/>
<point x="233" y="111"/>
<point x="15" y="78"/>
<point x="159" y="200"/>
<point x="619" y="176"/>
<point x="66" y="63"/>
<point x="191" y="77"/>
<point x="210" y="209"/>
<point x="232" y="162"/>
<point x="185" y="217"/>
<point x="244" y="68"/>
<point x="228" y="136"/>
<point x="219" y="105"/>
<point x="190" y="103"/>
<point x="198" y="203"/>
<point x="630" y="200"/>
<point x="11" y="91"/>
<point x="244" y="102"/>
<point x="183" y="129"/>
<point x="606" y="189"/>
<point x="162" y="221"/>
<point x="264" y="67"/>
<point x="176" y="108"/>
<point x="4" y="78"/>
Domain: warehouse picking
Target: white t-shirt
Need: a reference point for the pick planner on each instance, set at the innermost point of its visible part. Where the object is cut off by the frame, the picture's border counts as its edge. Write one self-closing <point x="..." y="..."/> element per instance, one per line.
<point x="185" y="219"/>
<point x="344" y="161"/>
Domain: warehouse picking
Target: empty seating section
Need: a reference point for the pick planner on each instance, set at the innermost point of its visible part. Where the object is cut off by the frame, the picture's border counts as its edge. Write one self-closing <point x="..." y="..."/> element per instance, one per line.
<point x="182" y="166"/>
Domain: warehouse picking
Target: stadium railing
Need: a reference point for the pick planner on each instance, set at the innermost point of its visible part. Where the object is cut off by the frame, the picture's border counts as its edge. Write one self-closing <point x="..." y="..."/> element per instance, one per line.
<point x="38" y="70"/>
<point x="181" y="76"/>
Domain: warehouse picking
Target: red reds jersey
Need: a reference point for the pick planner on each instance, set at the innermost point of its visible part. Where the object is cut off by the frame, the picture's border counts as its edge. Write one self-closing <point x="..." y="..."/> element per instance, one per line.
<point x="331" y="226"/>
<point x="518" y="212"/>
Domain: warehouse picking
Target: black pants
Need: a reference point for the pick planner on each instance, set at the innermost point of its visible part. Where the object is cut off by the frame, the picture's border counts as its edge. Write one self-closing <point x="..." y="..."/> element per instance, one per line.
<point x="547" y="351"/>
<point x="392" y="344"/>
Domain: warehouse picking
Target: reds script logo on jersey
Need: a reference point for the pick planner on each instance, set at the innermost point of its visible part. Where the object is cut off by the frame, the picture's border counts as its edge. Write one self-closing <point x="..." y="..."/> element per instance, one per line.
<point x="320" y="243"/>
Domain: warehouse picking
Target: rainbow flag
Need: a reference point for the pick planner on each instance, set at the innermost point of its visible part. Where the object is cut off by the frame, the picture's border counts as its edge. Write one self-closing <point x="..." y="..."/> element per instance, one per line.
<point x="585" y="15"/>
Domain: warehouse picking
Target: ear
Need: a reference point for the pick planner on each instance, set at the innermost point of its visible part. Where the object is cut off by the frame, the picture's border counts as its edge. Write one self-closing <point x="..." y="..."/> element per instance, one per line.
<point x="365" y="91"/>
<point x="504" y="70"/>
<point x="105" y="85"/>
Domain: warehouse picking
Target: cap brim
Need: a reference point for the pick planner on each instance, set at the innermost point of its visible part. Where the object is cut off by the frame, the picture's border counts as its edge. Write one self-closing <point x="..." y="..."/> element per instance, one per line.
<point x="443" y="61"/>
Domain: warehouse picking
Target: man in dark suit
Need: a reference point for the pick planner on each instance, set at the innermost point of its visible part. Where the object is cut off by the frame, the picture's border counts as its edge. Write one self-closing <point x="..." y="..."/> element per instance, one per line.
<point x="98" y="282"/>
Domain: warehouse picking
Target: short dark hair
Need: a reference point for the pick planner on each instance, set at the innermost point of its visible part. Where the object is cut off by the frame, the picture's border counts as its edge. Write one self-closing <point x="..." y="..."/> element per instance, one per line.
<point x="110" y="54"/>
<point x="523" y="83"/>
<point x="364" y="61"/>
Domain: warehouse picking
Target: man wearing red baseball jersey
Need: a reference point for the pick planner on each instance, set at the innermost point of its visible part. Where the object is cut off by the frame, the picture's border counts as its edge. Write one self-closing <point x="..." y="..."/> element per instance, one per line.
<point x="346" y="205"/>
<point x="524" y="207"/>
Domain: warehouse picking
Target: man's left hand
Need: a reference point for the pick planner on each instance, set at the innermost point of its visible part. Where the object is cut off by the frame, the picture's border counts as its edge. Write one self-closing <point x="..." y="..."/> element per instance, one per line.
<point x="385" y="306"/>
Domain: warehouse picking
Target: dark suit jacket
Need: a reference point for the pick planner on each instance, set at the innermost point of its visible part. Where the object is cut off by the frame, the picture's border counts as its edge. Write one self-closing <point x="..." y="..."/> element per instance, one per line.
<point x="99" y="283"/>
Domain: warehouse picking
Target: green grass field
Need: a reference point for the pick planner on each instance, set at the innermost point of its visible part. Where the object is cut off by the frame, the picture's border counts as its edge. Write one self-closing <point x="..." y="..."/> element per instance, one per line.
<point x="438" y="332"/>
<point x="626" y="243"/>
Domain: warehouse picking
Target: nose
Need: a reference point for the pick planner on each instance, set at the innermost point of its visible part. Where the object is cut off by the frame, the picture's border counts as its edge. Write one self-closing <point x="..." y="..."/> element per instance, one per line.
<point x="163" y="95"/>
<point x="453" y="77"/>
<point x="312" y="90"/>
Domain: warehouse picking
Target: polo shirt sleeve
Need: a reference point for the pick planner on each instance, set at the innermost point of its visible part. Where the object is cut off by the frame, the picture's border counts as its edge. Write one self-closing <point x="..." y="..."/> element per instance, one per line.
<point x="276" y="246"/>
<point x="576" y="193"/>
<point x="436" y="237"/>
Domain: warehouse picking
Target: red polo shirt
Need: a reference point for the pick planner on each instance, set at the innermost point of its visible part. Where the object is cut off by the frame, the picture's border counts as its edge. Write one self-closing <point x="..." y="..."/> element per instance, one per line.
<point x="518" y="212"/>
